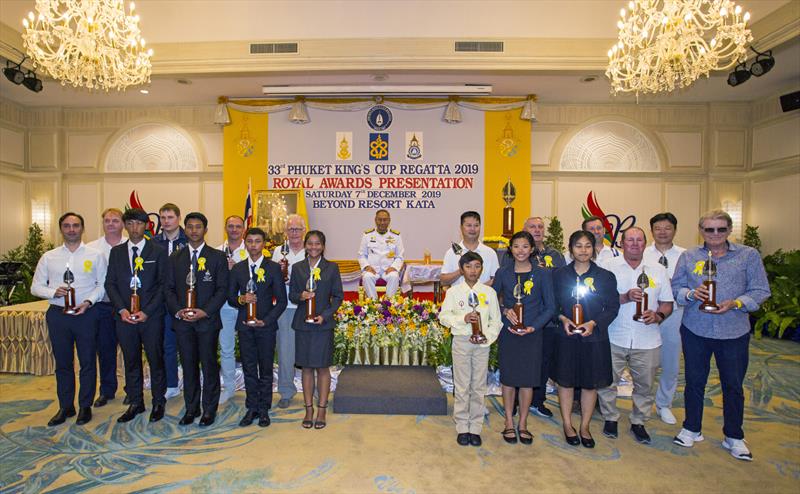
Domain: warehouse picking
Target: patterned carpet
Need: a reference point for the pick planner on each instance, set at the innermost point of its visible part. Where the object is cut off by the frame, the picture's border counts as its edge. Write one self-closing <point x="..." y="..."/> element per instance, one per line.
<point x="395" y="454"/>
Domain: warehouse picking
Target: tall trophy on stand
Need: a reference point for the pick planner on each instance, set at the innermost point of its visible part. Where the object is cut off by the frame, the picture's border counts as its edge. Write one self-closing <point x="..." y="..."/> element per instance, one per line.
<point x="191" y="293"/>
<point x="577" y="308"/>
<point x="251" y="306"/>
<point x="284" y="262"/>
<point x="135" y="307"/>
<point x="643" y="282"/>
<point x="509" y="194"/>
<point x="710" y="271"/>
<point x="69" y="297"/>
<point x="519" y="326"/>
<point x="311" y="304"/>
<point x="477" y="329"/>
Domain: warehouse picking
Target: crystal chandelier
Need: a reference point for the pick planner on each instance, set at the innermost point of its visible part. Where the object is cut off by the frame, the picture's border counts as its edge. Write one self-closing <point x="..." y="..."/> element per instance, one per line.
<point x="88" y="43"/>
<point x="664" y="44"/>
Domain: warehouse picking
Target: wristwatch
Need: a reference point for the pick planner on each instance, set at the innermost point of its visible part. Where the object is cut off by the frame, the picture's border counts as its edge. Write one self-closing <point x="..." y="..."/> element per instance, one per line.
<point x="661" y="315"/>
<point x="690" y="295"/>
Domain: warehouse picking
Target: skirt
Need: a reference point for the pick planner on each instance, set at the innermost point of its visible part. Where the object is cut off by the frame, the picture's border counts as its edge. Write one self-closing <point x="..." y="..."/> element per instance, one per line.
<point x="578" y="363"/>
<point x="520" y="358"/>
<point x="313" y="349"/>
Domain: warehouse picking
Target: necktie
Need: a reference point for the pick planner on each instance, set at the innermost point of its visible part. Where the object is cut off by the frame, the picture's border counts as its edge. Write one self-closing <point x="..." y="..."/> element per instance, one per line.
<point x="194" y="260"/>
<point x="253" y="271"/>
<point x="135" y="250"/>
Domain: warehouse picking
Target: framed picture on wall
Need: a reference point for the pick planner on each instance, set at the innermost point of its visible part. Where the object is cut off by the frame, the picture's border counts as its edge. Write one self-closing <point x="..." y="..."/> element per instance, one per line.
<point x="271" y="210"/>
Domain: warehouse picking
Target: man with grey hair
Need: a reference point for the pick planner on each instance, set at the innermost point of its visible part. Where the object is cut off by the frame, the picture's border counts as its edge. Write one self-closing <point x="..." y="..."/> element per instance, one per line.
<point x="295" y="230"/>
<point x="724" y="331"/>
<point x="234" y="251"/>
<point x="380" y="256"/>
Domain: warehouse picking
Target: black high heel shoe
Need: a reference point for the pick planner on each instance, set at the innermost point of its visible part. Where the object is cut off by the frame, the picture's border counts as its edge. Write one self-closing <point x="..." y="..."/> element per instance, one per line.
<point x="572" y="440"/>
<point x="307" y="424"/>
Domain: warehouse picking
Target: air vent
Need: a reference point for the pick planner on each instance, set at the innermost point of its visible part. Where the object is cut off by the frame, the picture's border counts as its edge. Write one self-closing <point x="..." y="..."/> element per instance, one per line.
<point x="480" y="46"/>
<point x="272" y="48"/>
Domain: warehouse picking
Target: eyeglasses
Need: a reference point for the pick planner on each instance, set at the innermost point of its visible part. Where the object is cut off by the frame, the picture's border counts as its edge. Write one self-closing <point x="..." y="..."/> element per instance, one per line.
<point x="722" y="229"/>
<point x="664" y="261"/>
<point x="295" y="230"/>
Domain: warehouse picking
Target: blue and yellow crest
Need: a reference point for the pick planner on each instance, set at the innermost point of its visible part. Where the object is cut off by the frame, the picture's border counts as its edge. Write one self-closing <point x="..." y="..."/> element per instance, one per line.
<point x="378" y="146"/>
<point x="379" y="117"/>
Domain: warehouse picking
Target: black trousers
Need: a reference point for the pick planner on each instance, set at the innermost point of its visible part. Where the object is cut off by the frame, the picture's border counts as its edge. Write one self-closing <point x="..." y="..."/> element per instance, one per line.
<point x="198" y="347"/>
<point x="107" y="349"/>
<point x="68" y="334"/>
<point x="132" y="338"/>
<point x="548" y="345"/>
<point x="257" y="349"/>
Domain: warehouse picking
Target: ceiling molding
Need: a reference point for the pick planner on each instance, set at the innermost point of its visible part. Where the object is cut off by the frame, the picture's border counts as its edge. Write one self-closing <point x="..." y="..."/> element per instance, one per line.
<point x="777" y="27"/>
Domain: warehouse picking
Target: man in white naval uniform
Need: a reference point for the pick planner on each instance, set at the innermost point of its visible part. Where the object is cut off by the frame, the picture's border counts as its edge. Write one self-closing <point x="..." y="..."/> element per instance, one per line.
<point x="381" y="256"/>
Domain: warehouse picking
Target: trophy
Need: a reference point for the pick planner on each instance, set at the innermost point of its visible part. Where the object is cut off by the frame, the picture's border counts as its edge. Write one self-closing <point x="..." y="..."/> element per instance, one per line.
<point x="518" y="308"/>
<point x="426" y="257"/>
<point x="136" y="283"/>
<point x="251" y="306"/>
<point x="663" y="261"/>
<point x="285" y="262"/>
<point x="456" y="248"/>
<point x="577" y="308"/>
<point x="538" y="255"/>
<point x="709" y="271"/>
<point x="311" y="304"/>
<point x="509" y="194"/>
<point x="191" y="293"/>
<point x="477" y="330"/>
<point x="69" y="297"/>
<point x="643" y="282"/>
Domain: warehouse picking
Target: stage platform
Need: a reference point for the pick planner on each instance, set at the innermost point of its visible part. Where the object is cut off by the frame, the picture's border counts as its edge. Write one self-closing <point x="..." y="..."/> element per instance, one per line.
<point x="389" y="390"/>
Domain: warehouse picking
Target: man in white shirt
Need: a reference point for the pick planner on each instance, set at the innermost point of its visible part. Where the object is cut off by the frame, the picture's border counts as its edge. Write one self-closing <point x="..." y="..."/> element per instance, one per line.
<point x="234" y="251"/>
<point x="76" y="330"/>
<point x="663" y="251"/>
<point x="106" y="326"/>
<point x="471" y="241"/>
<point x="635" y="342"/>
<point x="380" y="256"/>
<point x="603" y="252"/>
<point x="295" y="231"/>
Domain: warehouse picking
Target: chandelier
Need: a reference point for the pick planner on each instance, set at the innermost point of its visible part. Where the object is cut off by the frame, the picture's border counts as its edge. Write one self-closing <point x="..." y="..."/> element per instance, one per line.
<point x="88" y="43"/>
<point x="664" y="44"/>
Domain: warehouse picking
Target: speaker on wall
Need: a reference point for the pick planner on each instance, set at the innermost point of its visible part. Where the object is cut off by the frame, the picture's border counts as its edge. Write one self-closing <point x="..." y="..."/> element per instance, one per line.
<point x="790" y="101"/>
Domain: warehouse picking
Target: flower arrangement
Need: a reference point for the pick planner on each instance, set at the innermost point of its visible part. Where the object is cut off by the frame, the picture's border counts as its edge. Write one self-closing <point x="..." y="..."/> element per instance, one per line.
<point x="397" y="331"/>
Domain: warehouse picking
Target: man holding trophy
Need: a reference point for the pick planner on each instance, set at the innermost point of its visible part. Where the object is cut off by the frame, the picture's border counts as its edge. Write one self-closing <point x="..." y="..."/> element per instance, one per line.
<point x="71" y="278"/>
<point x="645" y="298"/>
<point x="135" y="284"/>
<point x="719" y="283"/>
<point x="197" y="285"/>
<point x="252" y="287"/>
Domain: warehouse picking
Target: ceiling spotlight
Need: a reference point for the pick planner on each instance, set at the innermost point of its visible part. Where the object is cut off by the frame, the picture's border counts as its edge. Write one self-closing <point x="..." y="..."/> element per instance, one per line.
<point x="144" y="91"/>
<point x="763" y="63"/>
<point x="32" y="82"/>
<point x="739" y="75"/>
<point x="14" y="74"/>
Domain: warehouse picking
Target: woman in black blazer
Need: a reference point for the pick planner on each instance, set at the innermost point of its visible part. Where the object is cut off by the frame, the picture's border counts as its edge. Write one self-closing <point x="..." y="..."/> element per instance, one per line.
<point x="314" y="340"/>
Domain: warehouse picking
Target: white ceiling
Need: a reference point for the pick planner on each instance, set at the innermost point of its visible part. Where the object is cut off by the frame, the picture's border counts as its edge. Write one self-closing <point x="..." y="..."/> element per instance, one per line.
<point x="166" y="21"/>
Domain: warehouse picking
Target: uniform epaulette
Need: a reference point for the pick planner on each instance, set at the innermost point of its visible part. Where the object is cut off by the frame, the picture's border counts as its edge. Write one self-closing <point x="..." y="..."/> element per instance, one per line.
<point x="394" y="231"/>
<point x="369" y="231"/>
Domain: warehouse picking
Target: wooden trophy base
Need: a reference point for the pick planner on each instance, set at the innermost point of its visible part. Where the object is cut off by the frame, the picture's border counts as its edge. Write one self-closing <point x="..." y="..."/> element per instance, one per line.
<point x="251" y="322"/>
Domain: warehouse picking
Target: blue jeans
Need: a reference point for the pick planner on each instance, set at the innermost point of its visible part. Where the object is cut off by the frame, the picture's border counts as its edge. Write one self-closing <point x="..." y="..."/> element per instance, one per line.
<point x="107" y="349"/>
<point x="170" y="352"/>
<point x="227" y="347"/>
<point x="732" y="357"/>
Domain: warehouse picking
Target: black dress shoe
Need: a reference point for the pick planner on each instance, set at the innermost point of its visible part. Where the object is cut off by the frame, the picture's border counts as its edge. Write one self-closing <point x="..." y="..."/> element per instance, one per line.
<point x="640" y="433"/>
<point x="61" y="416"/>
<point x="588" y="442"/>
<point x="207" y="419"/>
<point x="187" y="419"/>
<point x="84" y="415"/>
<point x="127" y="400"/>
<point x="463" y="439"/>
<point x="131" y="413"/>
<point x="475" y="439"/>
<point x="102" y="400"/>
<point x="263" y="420"/>
<point x="610" y="429"/>
<point x="157" y="413"/>
<point x="248" y="418"/>
<point x="572" y="440"/>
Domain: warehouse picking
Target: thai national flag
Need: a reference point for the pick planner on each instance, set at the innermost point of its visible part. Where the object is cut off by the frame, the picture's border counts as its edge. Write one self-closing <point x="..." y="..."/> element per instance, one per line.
<point x="248" y="207"/>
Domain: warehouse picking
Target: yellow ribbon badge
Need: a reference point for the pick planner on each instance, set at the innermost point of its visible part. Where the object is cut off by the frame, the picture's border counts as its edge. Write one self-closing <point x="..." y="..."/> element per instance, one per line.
<point x="526" y="287"/>
<point x="242" y="254"/>
<point x="87" y="266"/>
<point x="265" y="252"/>
<point x="260" y="273"/>
<point x="698" y="267"/>
<point x="315" y="272"/>
<point x="548" y="261"/>
<point x="652" y="283"/>
<point x="482" y="298"/>
<point x="138" y="264"/>
<point x="201" y="263"/>
<point x="589" y="282"/>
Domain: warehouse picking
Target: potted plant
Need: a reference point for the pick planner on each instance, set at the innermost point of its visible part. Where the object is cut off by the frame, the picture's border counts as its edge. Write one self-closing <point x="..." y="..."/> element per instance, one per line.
<point x="781" y="312"/>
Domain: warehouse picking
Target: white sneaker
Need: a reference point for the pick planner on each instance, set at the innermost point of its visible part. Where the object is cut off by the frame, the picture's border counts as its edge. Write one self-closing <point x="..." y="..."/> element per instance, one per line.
<point x="687" y="438"/>
<point x="738" y="449"/>
<point x="225" y="396"/>
<point x="172" y="393"/>
<point x="666" y="416"/>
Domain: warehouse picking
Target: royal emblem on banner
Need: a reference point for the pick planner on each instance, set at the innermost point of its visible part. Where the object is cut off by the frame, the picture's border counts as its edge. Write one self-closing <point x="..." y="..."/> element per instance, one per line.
<point x="413" y="145"/>
<point x="379" y="117"/>
<point x="378" y="146"/>
<point x="507" y="143"/>
<point x="344" y="144"/>
<point x="245" y="147"/>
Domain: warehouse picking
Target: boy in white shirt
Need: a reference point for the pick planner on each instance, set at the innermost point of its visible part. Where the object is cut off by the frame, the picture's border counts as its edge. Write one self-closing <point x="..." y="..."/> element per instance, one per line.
<point x="470" y="351"/>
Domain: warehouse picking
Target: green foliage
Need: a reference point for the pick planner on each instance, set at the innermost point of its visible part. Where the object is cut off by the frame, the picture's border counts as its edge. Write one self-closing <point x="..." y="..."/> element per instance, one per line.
<point x="751" y="237"/>
<point x="28" y="254"/>
<point x="782" y="309"/>
<point x="555" y="235"/>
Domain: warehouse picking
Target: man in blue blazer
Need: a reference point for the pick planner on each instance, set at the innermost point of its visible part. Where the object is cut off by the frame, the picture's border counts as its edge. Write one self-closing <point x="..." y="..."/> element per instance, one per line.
<point x="142" y="263"/>
<point x="197" y="328"/>
<point x="257" y="339"/>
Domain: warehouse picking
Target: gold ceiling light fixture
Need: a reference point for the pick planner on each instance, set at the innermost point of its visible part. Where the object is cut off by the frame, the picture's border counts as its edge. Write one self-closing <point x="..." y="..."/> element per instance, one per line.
<point x="88" y="43"/>
<point x="669" y="44"/>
